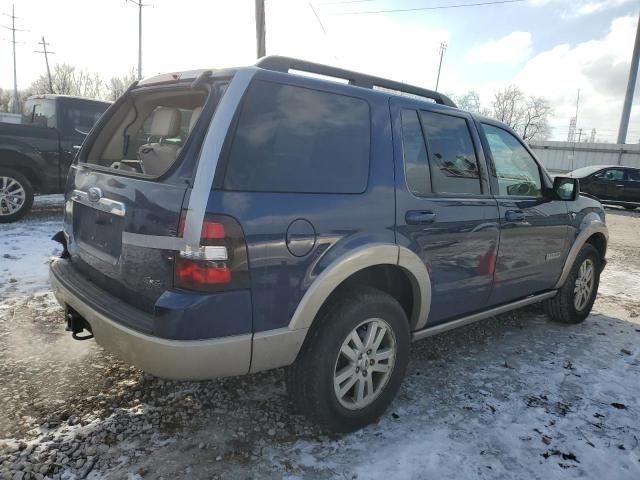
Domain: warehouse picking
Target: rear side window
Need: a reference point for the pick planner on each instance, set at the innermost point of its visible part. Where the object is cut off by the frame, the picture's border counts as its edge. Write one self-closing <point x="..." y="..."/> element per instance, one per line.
<point x="292" y="139"/>
<point x="454" y="166"/>
<point x="634" y="175"/>
<point x="80" y="117"/>
<point x="414" y="152"/>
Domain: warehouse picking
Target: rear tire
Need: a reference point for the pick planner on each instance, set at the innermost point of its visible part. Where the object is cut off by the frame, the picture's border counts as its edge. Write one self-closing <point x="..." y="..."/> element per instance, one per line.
<point x="574" y="300"/>
<point x="342" y="383"/>
<point x="16" y="195"/>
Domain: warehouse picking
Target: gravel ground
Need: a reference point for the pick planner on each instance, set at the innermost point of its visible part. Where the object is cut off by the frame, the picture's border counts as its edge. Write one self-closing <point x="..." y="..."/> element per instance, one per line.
<point x="509" y="397"/>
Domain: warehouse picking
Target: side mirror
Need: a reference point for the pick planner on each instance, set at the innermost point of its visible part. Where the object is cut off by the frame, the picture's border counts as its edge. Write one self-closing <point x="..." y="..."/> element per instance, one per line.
<point x="566" y="188"/>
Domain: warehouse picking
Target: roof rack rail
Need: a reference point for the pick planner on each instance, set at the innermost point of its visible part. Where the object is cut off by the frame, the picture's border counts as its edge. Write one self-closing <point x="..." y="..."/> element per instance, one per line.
<point x="284" y="64"/>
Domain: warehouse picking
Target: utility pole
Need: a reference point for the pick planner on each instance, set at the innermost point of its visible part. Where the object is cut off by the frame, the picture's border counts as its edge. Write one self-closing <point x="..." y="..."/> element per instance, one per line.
<point x="140" y="5"/>
<point x="46" y="59"/>
<point x="631" y="85"/>
<point x="261" y="29"/>
<point x="443" y="48"/>
<point x="13" y="29"/>
<point x="579" y="134"/>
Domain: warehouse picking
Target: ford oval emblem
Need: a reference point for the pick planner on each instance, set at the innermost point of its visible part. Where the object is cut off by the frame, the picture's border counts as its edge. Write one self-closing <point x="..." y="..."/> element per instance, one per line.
<point x="95" y="194"/>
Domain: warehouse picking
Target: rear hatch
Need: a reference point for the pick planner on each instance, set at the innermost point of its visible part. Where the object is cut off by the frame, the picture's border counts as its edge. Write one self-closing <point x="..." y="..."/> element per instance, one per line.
<point x="127" y="188"/>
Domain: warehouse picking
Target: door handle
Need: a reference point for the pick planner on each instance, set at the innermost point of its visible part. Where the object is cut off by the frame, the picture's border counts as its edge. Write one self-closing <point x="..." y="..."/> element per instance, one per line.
<point x="619" y="186"/>
<point x="419" y="217"/>
<point x="514" y="216"/>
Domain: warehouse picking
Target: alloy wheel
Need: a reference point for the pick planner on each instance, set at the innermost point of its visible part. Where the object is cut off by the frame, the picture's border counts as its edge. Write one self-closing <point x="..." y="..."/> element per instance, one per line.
<point x="364" y="364"/>
<point x="12" y="196"/>
<point x="584" y="285"/>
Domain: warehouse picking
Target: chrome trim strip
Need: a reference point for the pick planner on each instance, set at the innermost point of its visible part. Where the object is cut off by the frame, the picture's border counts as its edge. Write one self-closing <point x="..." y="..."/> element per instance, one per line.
<point x="103" y="204"/>
<point x="435" y="330"/>
<point x="152" y="241"/>
<point x="210" y="153"/>
<point x="596" y="226"/>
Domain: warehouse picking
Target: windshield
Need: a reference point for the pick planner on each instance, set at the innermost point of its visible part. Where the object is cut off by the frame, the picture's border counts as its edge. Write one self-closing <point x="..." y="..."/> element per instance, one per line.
<point x="585" y="171"/>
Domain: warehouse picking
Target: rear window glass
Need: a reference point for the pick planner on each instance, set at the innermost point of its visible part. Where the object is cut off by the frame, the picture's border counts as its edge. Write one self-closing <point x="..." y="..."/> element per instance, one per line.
<point x="414" y="152"/>
<point x="454" y="166"/>
<point x="292" y="139"/>
<point x="146" y="135"/>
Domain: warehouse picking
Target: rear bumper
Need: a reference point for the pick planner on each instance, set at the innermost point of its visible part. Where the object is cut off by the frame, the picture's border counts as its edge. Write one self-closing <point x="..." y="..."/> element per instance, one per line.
<point x="174" y="359"/>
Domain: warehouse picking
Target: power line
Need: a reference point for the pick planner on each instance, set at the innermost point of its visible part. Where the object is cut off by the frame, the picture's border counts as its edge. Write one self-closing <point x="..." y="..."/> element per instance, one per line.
<point x="46" y="59"/>
<point x="13" y="41"/>
<point x="435" y="7"/>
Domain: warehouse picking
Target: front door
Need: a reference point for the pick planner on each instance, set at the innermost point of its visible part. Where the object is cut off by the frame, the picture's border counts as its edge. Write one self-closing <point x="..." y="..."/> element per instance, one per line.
<point x="609" y="184"/>
<point x="534" y="232"/>
<point x="444" y="209"/>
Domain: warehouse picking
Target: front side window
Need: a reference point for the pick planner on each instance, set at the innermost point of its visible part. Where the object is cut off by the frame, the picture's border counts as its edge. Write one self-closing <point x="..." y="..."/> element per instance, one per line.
<point x="452" y="157"/>
<point x="518" y="173"/>
<point x="414" y="152"/>
<point x="293" y="139"/>
<point x="613" y="174"/>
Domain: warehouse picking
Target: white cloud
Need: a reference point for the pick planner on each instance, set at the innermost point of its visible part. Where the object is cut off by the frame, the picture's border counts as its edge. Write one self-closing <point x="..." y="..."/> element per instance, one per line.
<point x="577" y="8"/>
<point x="598" y="67"/>
<point x="511" y="49"/>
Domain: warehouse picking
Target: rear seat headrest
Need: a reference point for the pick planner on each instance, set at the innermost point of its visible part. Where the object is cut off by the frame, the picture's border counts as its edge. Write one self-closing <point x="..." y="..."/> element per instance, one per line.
<point x="165" y="122"/>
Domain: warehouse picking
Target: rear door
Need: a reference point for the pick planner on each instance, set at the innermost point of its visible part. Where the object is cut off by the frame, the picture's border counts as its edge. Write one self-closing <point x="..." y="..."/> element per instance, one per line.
<point x="444" y="208"/>
<point x="632" y="186"/>
<point x="534" y="232"/>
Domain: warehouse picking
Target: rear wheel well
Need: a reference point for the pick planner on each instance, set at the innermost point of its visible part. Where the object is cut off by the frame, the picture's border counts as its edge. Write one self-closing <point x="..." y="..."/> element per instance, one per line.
<point x="390" y="279"/>
<point x="19" y="163"/>
<point x="599" y="241"/>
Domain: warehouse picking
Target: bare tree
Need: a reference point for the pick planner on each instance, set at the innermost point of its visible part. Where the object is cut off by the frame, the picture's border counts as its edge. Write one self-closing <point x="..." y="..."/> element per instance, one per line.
<point x="118" y="85"/>
<point x="529" y="116"/>
<point x="470" y="101"/>
<point x="67" y="80"/>
<point x="535" y="121"/>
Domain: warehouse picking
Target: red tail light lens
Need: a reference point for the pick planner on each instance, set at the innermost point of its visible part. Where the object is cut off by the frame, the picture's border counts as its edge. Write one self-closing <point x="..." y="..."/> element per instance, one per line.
<point x="219" y="263"/>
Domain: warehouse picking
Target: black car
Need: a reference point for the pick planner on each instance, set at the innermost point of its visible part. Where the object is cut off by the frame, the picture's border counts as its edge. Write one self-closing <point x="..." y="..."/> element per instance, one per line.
<point x="611" y="184"/>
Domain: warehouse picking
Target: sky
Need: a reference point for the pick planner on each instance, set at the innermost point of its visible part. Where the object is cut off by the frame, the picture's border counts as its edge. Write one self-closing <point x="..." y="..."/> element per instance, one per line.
<point x="548" y="48"/>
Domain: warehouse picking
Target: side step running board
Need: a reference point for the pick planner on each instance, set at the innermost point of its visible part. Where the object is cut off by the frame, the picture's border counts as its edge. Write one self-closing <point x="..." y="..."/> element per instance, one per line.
<point x="435" y="330"/>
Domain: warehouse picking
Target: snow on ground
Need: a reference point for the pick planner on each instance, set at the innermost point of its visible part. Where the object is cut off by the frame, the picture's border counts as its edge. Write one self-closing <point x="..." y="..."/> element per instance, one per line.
<point x="26" y="246"/>
<point x="510" y="397"/>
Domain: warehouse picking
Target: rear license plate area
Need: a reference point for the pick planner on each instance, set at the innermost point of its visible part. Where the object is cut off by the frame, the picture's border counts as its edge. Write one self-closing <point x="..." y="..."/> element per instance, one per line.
<point x="98" y="230"/>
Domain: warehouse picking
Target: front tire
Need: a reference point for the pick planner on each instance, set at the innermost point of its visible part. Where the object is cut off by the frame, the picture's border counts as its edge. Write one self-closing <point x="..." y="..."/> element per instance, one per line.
<point x="352" y="364"/>
<point x="575" y="299"/>
<point x="16" y="195"/>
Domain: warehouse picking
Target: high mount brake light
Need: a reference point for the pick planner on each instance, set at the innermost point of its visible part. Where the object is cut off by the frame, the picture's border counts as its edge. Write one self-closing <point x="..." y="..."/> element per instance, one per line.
<point x="219" y="262"/>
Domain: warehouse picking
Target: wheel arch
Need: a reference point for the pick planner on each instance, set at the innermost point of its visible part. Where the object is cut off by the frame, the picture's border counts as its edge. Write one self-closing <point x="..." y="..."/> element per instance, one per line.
<point x="378" y="265"/>
<point x="23" y="163"/>
<point x="593" y="231"/>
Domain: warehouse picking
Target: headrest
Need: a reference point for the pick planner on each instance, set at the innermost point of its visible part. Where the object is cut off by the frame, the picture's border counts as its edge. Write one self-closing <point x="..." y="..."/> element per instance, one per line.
<point x="195" y="114"/>
<point x="165" y="122"/>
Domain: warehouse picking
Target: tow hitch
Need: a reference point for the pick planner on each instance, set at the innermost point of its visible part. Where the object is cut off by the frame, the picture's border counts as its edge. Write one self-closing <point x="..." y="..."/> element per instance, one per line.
<point x="76" y="324"/>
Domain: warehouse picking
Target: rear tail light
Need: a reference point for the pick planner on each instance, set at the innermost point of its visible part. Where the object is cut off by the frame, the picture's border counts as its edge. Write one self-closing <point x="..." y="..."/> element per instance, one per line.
<point x="219" y="262"/>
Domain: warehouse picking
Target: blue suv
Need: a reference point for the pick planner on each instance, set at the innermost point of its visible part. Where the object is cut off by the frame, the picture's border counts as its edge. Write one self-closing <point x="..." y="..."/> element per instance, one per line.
<point x="225" y="222"/>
